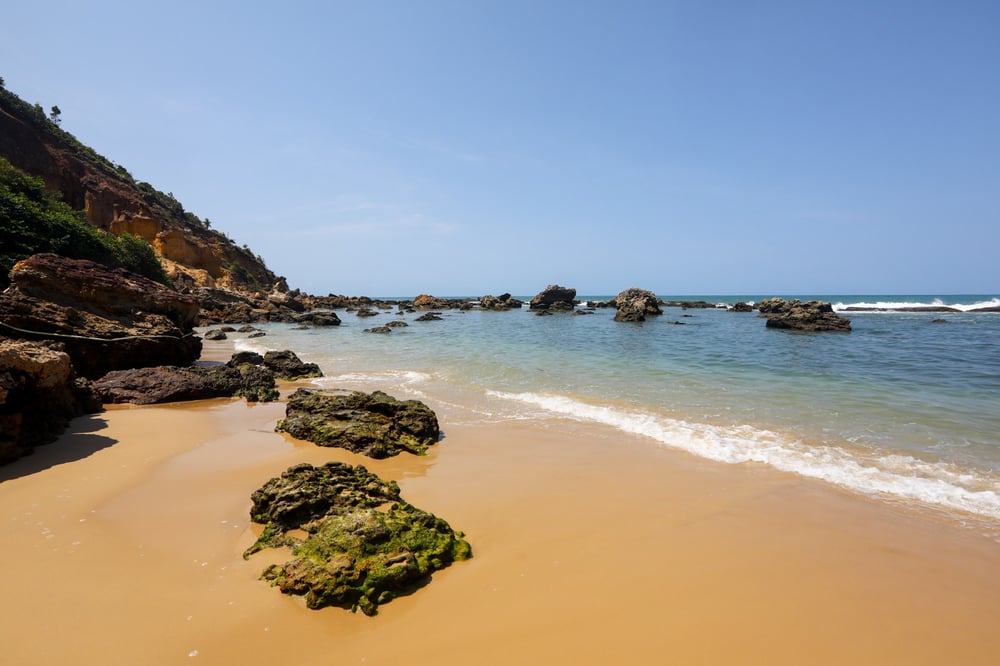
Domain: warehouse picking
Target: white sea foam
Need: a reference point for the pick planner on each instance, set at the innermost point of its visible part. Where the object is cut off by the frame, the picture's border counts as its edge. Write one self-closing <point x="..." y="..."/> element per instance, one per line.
<point x="404" y="379"/>
<point x="936" y="303"/>
<point x="248" y="345"/>
<point x="897" y="476"/>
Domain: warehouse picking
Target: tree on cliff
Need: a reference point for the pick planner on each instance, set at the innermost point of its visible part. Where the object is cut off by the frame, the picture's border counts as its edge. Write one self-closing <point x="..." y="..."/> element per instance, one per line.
<point x="55" y="113"/>
<point x="34" y="220"/>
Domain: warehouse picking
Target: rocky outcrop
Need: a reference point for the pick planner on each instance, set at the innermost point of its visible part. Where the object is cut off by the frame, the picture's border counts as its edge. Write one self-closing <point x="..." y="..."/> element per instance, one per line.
<point x="740" y="306"/>
<point x="635" y="304"/>
<point x="796" y="315"/>
<point x="107" y="319"/>
<point x="39" y="394"/>
<point x="430" y="316"/>
<point x="286" y="364"/>
<point x="221" y="306"/>
<point x="554" y="298"/>
<point x="355" y="553"/>
<point x="502" y="302"/>
<point x="373" y="424"/>
<point x="428" y="302"/>
<point x="146" y="386"/>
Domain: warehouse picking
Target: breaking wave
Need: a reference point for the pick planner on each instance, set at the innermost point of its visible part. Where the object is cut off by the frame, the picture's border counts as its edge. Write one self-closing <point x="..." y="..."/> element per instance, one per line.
<point x="897" y="476"/>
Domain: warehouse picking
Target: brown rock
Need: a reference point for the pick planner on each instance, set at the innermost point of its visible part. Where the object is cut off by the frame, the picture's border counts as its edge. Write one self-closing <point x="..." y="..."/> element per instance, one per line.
<point x="107" y="319"/>
<point x="39" y="394"/>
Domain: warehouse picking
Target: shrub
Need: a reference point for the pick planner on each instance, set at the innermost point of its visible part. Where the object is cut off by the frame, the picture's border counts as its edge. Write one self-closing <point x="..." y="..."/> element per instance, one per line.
<point x="34" y="220"/>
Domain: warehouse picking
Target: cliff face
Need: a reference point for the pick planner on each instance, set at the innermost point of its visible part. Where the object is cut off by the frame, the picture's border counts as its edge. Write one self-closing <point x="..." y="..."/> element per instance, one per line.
<point x="113" y="201"/>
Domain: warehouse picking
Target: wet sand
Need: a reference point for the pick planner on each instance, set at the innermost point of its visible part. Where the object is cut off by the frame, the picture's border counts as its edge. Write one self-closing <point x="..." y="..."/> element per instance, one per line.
<point x="123" y="542"/>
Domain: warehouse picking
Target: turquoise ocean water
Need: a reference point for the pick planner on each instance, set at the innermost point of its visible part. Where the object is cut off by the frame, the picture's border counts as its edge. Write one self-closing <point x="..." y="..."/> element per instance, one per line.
<point x="902" y="408"/>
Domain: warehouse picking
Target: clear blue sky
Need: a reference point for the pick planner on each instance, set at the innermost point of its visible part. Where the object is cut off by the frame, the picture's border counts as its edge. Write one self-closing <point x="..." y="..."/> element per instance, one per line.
<point x="470" y="147"/>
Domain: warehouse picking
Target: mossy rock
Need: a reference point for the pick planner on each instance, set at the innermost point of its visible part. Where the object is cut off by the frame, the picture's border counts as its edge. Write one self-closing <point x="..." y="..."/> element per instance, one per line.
<point x="359" y="553"/>
<point x="374" y="424"/>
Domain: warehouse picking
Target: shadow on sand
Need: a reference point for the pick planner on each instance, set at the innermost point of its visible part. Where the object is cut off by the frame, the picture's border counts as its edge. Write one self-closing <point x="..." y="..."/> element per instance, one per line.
<point x="78" y="442"/>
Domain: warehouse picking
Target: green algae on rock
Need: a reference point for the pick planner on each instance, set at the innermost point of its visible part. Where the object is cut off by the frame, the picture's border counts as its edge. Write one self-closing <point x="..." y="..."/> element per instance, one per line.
<point x="374" y="424"/>
<point x="364" y="544"/>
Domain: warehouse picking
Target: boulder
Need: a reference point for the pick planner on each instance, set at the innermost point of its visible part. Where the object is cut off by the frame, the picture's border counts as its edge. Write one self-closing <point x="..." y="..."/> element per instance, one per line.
<point x="245" y="357"/>
<point x="635" y="304"/>
<point x="39" y="394"/>
<point x="318" y="319"/>
<point x="430" y="316"/>
<point x="502" y="302"/>
<point x="796" y="315"/>
<point x="215" y="334"/>
<point x="107" y="319"/>
<point x="741" y="307"/>
<point x="146" y="386"/>
<point x="554" y="297"/>
<point x="286" y="365"/>
<point x="428" y="302"/>
<point x="348" y="550"/>
<point x="374" y="424"/>
<point x="285" y="300"/>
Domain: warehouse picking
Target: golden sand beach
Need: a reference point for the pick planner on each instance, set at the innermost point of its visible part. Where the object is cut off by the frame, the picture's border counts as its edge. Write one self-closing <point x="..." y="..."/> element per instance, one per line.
<point x="123" y="542"/>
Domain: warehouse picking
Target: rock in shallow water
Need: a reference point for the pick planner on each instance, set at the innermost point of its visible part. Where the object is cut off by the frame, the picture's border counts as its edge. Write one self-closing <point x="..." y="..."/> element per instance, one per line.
<point x="809" y="316"/>
<point x="357" y="553"/>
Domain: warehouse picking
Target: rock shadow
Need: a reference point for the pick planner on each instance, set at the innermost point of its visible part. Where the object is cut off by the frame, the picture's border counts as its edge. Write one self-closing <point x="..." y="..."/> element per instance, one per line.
<point x="77" y="443"/>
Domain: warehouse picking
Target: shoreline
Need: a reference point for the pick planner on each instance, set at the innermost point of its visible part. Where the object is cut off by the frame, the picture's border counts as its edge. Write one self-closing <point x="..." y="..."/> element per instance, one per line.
<point x="590" y="546"/>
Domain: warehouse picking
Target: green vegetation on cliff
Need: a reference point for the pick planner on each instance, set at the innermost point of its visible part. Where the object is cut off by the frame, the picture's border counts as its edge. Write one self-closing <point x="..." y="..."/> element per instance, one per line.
<point x="114" y="201"/>
<point x="34" y="220"/>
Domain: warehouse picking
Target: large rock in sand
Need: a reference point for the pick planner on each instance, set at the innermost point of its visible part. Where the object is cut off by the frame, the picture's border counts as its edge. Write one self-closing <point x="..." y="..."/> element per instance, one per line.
<point x="356" y="554"/>
<point x="374" y="424"/>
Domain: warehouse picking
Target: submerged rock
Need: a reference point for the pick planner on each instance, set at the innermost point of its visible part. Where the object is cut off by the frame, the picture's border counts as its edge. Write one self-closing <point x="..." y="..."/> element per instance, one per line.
<point x="374" y="424"/>
<point x="809" y="316"/>
<point x="356" y="553"/>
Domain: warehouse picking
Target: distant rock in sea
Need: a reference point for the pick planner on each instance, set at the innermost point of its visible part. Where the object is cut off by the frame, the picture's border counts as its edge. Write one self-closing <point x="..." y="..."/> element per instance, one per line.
<point x="809" y="316"/>
<point x="554" y="298"/>
<point x="635" y="304"/>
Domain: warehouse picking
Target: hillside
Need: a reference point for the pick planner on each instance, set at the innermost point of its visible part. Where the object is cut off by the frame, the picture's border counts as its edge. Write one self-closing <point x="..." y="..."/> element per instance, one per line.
<point x="113" y="201"/>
